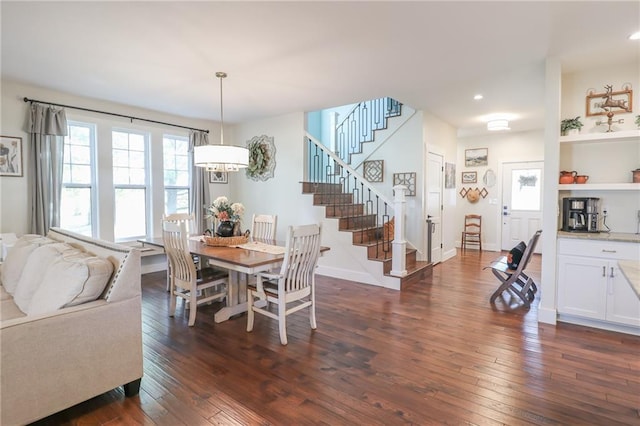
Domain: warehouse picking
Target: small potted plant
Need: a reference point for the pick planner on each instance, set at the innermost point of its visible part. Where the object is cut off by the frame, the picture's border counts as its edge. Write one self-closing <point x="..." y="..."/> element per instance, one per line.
<point x="638" y="121"/>
<point x="570" y="125"/>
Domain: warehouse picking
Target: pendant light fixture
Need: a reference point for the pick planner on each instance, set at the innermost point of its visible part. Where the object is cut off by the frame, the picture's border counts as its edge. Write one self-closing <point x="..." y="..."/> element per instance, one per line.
<point x="221" y="158"/>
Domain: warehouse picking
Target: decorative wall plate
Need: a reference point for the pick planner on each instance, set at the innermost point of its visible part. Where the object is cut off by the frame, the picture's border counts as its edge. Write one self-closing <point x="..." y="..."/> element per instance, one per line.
<point x="262" y="158"/>
<point x="489" y="178"/>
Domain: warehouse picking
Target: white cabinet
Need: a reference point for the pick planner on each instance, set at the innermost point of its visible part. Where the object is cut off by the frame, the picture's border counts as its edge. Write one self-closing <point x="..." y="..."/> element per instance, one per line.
<point x="590" y="284"/>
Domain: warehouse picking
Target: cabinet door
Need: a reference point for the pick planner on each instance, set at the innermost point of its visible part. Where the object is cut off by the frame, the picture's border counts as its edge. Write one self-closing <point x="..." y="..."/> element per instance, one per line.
<point x="623" y="305"/>
<point x="582" y="286"/>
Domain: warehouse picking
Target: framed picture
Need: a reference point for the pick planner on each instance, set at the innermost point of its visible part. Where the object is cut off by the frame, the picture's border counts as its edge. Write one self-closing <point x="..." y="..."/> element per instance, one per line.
<point x="469" y="177"/>
<point x="373" y="170"/>
<point x="218" y="177"/>
<point x="407" y="179"/>
<point x="10" y="156"/>
<point x="476" y="157"/>
<point x="602" y="103"/>
<point x="449" y="175"/>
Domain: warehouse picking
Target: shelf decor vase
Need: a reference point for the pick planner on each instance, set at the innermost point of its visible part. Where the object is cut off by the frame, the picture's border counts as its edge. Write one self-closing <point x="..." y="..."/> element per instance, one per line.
<point x="225" y="229"/>
<point x="568" y="177"/>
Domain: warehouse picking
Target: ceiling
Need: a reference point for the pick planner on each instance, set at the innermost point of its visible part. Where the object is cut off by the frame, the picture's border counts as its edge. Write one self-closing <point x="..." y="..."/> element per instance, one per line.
<point x="284" y="57"/>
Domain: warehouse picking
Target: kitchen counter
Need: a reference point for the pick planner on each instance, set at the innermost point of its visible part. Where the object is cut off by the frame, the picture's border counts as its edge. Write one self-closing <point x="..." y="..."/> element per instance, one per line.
<point x="602" y="236"/>
<point x="631" y="271"/>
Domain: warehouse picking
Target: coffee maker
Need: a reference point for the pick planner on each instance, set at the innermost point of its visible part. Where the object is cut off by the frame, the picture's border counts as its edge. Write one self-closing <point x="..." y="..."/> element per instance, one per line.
<point x="580" y="214"/>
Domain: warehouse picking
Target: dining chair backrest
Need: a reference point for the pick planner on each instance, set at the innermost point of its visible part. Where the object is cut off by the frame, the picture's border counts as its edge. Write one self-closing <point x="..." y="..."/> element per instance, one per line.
<point x="176" y="246"/>
<point x="180" y="217"/>
<point x="301" y="257"/>
<point x="263" y="226"/>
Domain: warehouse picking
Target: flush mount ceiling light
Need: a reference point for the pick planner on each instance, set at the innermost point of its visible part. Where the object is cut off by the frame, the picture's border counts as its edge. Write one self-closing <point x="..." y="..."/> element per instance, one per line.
<point x="635" y="36"/>
<point x="221" y="158"/>
<point x="478" y="97"/>
<point x="496" y="125"/>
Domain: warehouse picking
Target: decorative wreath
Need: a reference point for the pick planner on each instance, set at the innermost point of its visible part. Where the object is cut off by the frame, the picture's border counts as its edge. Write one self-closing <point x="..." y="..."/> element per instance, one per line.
<point x="262" y="158"/>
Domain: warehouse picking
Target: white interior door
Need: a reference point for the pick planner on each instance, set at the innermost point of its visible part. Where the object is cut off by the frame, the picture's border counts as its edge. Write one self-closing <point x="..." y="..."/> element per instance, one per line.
<point x="521" y="203"/>
<point x="434" y="204"/>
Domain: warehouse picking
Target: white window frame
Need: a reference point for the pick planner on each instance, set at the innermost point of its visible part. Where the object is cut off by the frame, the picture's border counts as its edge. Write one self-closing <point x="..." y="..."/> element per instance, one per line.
<point x="92" y="186"/>
<point x="190" y="171"/>
<point x="146" y="186"/>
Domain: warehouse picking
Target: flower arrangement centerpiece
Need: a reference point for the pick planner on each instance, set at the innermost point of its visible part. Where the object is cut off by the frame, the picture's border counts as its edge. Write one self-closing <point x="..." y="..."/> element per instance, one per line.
<point x="227" y="213"/>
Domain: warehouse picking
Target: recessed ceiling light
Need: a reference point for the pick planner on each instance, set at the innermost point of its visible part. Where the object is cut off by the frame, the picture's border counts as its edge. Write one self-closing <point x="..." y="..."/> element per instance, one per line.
<point x="635" y="36"/>
<point x="478" y="97"/>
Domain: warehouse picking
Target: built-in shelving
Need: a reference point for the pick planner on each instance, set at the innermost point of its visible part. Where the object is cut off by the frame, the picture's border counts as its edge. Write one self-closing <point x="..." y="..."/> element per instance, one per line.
<point x="626" y="135"/>
<point x="600" y="187"/>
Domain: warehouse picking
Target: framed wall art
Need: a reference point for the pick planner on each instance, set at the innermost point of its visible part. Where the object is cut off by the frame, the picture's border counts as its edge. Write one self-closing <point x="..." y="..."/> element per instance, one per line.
<point x="476" y="157"/>
<point x="449" y="175"/>
<point x="218" y="177"/>
<point x="408" y="180"/>
<point x="373" y="170"/>
<point x="10" y="156"/>
<point x="603" y="102"/>
<point x="469" y="177"/>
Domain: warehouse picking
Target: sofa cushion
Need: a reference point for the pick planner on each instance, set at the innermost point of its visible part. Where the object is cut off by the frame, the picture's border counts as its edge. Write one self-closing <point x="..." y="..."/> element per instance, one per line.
<point x="71" y="280"/>
<point x="17" y="258"/>
<point x="33" y="274"/>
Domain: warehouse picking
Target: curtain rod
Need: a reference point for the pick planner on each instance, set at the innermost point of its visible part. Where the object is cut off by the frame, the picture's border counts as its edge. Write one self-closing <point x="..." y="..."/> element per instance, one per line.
<point x="113" y="113"/>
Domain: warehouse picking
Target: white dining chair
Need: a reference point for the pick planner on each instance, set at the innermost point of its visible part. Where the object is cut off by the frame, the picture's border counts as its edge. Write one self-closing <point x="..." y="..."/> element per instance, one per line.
<point x="293" y="285"/>
<point x="188" y="219"/>
<point x="263" y="226"/>
<point x="185" y="282"/>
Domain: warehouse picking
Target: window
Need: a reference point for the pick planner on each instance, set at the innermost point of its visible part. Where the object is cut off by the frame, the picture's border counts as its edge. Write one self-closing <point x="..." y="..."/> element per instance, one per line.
<point x="77" y="207"/>
<point x="175" y="152"/>
<point x="129" y="151"/>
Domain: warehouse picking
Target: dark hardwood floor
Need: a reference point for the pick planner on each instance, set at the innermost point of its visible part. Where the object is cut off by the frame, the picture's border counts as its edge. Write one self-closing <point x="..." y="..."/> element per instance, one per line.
<point x="435" y="353"/>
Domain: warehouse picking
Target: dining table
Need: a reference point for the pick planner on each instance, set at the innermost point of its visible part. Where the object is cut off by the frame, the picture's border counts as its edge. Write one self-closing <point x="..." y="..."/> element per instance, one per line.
<point x="240" y="260"/>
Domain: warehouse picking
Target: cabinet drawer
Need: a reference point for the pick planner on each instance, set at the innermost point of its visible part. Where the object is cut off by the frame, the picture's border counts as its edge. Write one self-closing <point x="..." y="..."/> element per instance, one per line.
<point x="604" y="249"/>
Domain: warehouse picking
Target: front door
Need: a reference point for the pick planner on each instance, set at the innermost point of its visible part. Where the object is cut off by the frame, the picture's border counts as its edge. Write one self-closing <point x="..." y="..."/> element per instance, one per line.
<point x="521" y="203"/>
<point x="434" y="204"/>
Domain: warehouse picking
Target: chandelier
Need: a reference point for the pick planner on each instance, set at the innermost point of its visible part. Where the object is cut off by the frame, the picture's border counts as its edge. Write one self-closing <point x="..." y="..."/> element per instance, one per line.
<point x="221" y="158"/>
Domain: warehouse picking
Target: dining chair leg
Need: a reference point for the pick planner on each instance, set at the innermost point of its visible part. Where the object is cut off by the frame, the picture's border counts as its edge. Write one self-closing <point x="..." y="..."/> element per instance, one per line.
<point x="312" y="310"/>
<point x="172" y="303"/>
<point x="193" y="305"/>
<point x="250" y="313"/>
<point x="282" y="322"/>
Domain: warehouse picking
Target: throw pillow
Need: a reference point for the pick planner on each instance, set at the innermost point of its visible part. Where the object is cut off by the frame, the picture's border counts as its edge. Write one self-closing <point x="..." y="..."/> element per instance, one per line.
<point x="71" y="280"/>
<point x="17" y="258"/>
<point x="515" y="255"/>
<point x="32" y="275"/>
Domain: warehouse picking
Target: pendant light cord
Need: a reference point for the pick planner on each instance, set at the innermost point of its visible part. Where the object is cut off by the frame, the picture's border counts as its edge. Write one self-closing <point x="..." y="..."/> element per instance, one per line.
<point x="221" y="75"/>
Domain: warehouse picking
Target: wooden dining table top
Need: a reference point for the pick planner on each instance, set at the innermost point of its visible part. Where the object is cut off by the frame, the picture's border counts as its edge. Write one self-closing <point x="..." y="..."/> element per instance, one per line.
<point x="229" y="254"/>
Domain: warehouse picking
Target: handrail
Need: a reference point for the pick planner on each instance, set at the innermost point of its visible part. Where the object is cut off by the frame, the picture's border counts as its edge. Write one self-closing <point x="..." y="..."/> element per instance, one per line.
<point x="346" y="166"/>
<point x="360" y="124"/>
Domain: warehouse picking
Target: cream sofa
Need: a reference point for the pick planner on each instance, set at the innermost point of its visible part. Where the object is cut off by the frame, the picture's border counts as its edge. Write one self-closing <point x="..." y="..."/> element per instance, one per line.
<point x="54" y="359"/>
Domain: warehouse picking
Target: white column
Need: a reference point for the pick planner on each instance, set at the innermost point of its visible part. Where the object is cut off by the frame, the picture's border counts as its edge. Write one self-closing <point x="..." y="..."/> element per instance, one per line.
<point x="399" y="245"/>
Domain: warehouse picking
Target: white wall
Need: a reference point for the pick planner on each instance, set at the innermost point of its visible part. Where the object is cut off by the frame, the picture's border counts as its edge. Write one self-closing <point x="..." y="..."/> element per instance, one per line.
<point x="503" y="147"/>
<point x="440" y="138"/>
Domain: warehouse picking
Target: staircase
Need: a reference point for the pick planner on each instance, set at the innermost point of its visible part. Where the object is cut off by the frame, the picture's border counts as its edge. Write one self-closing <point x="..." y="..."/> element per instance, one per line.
<point x="360" y="125"/>
<point x="358" y="209"/>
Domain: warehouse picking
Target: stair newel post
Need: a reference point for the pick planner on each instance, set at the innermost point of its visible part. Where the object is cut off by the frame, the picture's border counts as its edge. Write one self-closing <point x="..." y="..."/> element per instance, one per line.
<point x="399" y="245"/>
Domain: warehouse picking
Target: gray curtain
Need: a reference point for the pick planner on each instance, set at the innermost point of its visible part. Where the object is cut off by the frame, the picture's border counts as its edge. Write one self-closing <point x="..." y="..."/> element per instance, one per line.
<point x="47" y="126"/>
<point x="200" y="196"/>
